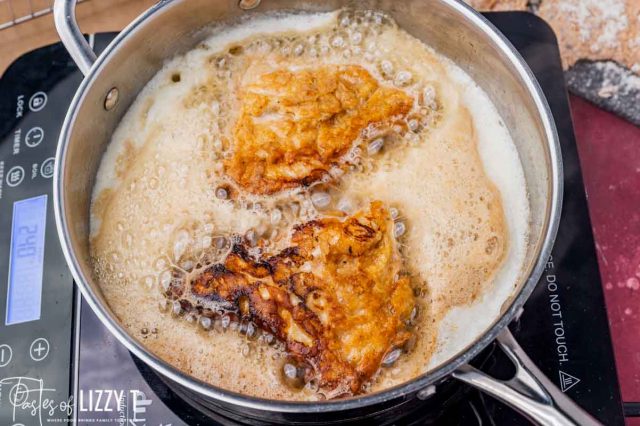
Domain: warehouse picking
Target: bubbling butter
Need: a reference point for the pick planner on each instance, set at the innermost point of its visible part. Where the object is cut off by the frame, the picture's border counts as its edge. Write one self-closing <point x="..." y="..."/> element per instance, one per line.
<point x="163" y="207"/>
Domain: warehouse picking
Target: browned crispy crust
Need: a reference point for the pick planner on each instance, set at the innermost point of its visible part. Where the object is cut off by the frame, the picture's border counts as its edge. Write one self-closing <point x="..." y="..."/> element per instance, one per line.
<point x="335" y="297"/>
<point x="293" y="126"/>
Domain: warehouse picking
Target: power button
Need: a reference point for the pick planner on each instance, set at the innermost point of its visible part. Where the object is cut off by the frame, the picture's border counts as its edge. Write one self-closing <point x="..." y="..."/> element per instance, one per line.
<point x="5" y="355"/>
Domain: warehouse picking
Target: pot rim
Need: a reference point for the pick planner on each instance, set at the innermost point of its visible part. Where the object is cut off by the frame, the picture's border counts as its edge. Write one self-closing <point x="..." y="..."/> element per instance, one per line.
<point x="414" y="385"/>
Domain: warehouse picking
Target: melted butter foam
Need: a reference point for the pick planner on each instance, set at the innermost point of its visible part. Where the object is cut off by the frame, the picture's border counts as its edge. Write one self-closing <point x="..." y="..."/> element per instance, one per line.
<point x="157" y="210"/>
<point x="462" y="324"/>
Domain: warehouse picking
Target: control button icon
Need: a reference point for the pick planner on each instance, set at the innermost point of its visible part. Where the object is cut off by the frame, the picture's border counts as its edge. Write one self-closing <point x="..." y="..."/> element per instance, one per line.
<point x="5" y="355"/>
<point x="37" y="101"/>
<point x="34" y="137"/>
<point x="39" y="349"/>
<point x="46" y="169"/>
<point x="15" y="176"/>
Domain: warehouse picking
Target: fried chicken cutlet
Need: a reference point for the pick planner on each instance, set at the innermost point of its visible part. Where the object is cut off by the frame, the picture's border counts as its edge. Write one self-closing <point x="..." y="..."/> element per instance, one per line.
<point x="293" y="126"/>
<point x="336" y="297"/>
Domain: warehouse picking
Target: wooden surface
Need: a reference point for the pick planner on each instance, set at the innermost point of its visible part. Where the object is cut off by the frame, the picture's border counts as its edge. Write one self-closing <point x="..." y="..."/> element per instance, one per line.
<point x="93" y="16"/>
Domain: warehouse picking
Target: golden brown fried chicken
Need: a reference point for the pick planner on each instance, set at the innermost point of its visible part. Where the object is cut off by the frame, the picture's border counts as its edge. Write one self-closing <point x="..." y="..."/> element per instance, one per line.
<point x="335" y="297"/>
<point x="294" y="125"/>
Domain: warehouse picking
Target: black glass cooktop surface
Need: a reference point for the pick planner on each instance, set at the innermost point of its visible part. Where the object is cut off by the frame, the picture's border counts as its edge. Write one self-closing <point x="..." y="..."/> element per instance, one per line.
<point x="58" y="362"/>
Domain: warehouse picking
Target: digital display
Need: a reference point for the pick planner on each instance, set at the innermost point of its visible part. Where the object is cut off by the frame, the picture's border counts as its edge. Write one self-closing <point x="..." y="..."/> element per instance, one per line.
<point x="26" y="262"/>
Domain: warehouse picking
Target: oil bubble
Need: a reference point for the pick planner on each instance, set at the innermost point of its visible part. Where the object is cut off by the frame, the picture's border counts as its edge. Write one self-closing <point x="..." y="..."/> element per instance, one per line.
<point x="147" y="282"/>
<point x="221" y="242"/>
<point x="375" y="146"/>
<point x="176" y="308"/>
<point x="245" y="350"/>
<point x="190" y="318"/>
<point x="163" y="305"/>
<point x="180" y="243"/>
<point x="337" y="42"/>
<point x="205" y="323"/>
<point x="414" y="125"/>
<point x="160" y="263"/>
<point x="321" y="199"/>
<point x="428" y="97"/>
<point x="187" y="265"/>
<point x="290" y="371"/>
<point x="276" y="216"/>
<point x="413" y="315"/>
<point x="391" y="357"/>
<point x="394" y="212"/>
<point x="292" y="375"/>
<point x="399" y="228"/>
<point x="249" y="330"/>
<point x="403" y="78"/>
<point x="205" y="242"/>
<point x="298" y="49"/>
<point x="371" y="46"/>
<point x="222" y="193"/>
<point x="164" y="280"/>
<point x="225" y="322"/>
<point x="267" y="338"/>
<point x="251" y="236"/>
<point x="387" y="68"/>
<point x="346" y="204"/>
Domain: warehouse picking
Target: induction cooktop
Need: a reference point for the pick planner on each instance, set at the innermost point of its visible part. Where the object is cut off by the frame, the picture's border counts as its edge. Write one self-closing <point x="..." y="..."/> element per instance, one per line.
<point x="58" y="363"/>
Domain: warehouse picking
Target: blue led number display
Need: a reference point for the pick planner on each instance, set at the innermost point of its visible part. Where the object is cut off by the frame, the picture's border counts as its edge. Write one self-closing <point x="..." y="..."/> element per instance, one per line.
<point x="24" y="295"/>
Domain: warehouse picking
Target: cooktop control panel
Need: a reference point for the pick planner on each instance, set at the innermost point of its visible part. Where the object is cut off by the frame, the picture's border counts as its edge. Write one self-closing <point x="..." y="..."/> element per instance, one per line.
<point x="36" y="288"/>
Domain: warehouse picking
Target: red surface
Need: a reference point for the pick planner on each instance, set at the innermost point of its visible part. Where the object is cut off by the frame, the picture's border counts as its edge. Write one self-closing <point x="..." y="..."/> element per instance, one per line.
<point x="609" y="150"/>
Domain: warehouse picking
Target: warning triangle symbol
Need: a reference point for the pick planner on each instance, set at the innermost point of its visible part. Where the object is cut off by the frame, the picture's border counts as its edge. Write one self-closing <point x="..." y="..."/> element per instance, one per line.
<point x="567" y="381"/>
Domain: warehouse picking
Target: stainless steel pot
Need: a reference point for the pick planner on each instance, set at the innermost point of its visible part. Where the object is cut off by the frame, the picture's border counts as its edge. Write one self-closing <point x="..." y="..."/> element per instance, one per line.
<point x="113" y="80"/>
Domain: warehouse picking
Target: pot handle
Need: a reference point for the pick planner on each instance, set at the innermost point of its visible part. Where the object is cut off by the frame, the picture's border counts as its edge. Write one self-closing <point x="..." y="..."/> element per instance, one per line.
<point x="64" y="15"/>
<point x="530" y="392"/>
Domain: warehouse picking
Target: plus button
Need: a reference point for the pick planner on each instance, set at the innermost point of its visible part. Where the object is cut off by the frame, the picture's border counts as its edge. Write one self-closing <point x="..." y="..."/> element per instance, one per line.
<point x="39" y="349"/>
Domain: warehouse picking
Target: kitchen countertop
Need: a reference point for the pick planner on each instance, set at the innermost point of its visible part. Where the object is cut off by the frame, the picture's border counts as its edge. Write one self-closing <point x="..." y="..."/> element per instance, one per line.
<point x="93" y="16"/>
<point x="609" y="150"/>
